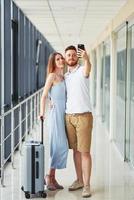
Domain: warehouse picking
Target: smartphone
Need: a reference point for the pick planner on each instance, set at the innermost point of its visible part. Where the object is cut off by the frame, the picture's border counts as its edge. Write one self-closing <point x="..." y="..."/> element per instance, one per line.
<point x="81" y="46"/>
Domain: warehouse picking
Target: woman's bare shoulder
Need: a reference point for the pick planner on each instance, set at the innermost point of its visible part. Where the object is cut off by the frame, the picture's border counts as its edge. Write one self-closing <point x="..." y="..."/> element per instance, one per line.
<point x="51" y="76"/>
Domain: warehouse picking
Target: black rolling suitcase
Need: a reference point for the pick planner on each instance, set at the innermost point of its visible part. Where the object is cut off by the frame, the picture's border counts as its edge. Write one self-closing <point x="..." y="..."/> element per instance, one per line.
<point x="33" y="168"/>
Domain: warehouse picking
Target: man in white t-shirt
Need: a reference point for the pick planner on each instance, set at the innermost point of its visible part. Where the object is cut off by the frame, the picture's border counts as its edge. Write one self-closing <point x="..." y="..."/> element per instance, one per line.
<point x="79" y="119"/>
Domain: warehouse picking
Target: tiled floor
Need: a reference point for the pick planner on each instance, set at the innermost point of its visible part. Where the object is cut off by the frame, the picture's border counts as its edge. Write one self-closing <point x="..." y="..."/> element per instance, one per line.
<point x="112" y="179"/>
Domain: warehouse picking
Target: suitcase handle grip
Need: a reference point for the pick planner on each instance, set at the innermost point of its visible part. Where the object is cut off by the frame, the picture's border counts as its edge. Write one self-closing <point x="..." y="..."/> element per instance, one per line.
<point x="37" y="169"/>
<point x="42" y="130"/>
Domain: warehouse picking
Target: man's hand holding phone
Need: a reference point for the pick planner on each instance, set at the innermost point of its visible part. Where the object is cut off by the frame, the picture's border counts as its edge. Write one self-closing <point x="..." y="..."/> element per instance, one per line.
<point x="82" y="52"/>
<point x="81" y="46"/>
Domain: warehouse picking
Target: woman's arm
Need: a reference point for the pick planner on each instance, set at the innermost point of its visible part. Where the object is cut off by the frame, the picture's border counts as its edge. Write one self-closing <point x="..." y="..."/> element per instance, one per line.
<point x="48" y="85"/>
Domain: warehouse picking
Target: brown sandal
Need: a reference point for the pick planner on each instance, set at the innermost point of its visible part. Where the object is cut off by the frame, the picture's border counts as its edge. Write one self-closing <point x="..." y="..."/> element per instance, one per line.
<point x="49" y="183"/>
<point x="56" y="184"/>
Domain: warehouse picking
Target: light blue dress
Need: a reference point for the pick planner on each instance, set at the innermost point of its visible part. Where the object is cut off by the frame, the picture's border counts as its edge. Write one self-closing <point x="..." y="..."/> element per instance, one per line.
<point x="58" y="138"/>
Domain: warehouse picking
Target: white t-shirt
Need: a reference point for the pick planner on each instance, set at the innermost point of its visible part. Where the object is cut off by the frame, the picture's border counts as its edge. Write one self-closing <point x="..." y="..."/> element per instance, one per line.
<point x="77" y="85"/>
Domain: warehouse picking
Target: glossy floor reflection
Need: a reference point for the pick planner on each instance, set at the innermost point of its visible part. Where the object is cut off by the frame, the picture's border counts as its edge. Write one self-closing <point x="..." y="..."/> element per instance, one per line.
<point x="112" y="179"/>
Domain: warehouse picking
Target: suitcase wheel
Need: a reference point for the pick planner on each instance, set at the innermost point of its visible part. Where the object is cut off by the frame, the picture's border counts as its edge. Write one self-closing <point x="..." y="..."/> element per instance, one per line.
<point x="27" y="195"/>
<point x="43" y="194"/>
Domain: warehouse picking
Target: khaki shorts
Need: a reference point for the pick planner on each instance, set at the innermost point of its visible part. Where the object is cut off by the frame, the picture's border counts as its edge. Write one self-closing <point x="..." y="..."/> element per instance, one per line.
<point x="79" y="131"/>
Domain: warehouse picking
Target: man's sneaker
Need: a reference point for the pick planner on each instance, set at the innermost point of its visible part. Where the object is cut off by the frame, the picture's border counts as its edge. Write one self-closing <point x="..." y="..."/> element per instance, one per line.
<point x="75" y="186"/>
<point x="86" y="191"/>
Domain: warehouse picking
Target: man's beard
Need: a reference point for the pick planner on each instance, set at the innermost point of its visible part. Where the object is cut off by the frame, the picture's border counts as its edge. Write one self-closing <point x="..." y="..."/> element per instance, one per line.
<point x="72" y="64"/>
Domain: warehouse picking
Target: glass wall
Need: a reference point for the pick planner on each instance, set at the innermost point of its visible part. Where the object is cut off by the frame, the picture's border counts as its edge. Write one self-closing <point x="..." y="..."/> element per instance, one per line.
<point x="131" y="94"/>
<point x="121" y="90"/>
<point x="102" y="82"/>
<point x="15" y="61"/>
<point x="105" y="83"/>
<point x="18" y="80"/>
<point x="94" y="77"/>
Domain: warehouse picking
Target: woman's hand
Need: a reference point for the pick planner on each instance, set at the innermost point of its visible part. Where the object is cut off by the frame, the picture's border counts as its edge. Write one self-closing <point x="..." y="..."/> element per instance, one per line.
<point x="51" y="104"/>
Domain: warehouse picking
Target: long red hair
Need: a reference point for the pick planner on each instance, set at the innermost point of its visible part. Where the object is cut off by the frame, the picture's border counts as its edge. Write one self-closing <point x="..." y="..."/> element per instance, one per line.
<point x="51" y="62"/>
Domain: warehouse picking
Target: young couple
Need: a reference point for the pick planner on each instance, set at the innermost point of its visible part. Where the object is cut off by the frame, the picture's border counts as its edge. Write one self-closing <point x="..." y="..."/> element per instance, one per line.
<point x="70" y="118"/>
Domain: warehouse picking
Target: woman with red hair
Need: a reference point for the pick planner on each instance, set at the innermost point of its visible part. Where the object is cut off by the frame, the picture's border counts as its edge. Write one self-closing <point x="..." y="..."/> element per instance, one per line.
<point x="55" y="88"/>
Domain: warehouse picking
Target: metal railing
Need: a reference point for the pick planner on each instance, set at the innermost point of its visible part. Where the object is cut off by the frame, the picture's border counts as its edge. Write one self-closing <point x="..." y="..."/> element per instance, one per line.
<point x="32" y="104"/>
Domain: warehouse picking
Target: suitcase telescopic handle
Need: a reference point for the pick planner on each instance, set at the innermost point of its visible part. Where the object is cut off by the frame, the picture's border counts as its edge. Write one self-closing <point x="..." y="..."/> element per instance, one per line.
<point x="42" y="129"/>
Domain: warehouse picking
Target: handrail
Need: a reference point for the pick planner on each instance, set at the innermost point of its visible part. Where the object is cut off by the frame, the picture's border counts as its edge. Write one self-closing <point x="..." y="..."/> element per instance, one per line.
<point x="31" y="114"/>
<point x="20" y="103"/>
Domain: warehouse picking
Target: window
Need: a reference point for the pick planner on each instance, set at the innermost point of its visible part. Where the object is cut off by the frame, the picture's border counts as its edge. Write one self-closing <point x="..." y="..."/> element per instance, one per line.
<point x="15" y="61"/>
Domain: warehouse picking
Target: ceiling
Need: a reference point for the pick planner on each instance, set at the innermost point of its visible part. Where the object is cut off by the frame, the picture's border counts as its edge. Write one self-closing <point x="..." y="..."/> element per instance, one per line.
<point x="68" y="22"/>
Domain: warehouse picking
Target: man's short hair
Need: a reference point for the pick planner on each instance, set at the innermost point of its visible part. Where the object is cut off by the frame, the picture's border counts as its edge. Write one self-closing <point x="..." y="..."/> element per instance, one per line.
<point x="70" y="48"/>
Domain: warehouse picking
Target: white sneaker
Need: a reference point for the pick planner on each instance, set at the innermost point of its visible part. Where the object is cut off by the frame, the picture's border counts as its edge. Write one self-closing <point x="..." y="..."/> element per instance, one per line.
<point x="86" y="191"/>
<point x="75" y="186"/>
